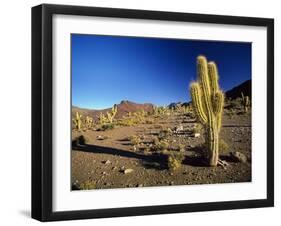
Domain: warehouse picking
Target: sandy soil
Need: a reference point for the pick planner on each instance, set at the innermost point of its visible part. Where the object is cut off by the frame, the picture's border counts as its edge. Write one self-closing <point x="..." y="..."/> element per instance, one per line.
<point x="102" y="162"/>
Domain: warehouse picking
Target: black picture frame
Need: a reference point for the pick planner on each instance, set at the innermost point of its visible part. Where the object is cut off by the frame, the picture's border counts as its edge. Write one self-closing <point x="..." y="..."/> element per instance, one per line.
<point x="42" y="111"/>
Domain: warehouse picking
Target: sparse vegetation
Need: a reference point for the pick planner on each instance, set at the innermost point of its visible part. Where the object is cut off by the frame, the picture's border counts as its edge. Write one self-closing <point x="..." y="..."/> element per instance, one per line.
<point x="102" y="119"/>
<point x="175" y="160"/>
<point x="245" y="102"/>
<point x="230" y="112"/>
<point x="149" y="121"/>
<point x="196" y="129"/>
<point x="138" y="117"/>
<point x="77" y="121"/>
<point x="181" y="147"/>
<point x="87" y="185"/>
<point x="111" y="115"/>
<point x="89" y="122"/>
<point x="165" y="132"/>
<point x="135" y="140"/>
<point x="162" y="145"/>
<point x="107" y="126"/>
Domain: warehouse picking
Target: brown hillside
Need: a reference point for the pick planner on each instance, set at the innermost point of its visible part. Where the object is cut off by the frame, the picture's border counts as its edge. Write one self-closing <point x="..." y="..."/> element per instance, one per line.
<point x="122" y="109"/>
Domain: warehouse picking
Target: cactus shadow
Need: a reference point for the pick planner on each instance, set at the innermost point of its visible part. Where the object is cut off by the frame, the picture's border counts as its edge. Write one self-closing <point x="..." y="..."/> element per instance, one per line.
<point x="195" y="157"/>
<point x="197" y="161"/>
<point x="227" y="158"/>
<point x="148" y="161"/>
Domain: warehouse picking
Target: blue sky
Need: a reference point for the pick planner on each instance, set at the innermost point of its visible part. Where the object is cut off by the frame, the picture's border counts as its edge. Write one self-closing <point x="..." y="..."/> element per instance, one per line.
<point x="108" y="69"/>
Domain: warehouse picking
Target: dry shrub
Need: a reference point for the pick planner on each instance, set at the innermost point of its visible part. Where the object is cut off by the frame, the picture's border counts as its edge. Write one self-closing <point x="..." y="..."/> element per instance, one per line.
<point x="80" y="140"/>
<point x="87" y="185"/>
<point x="135" y="140"/>
<point x="175" y="160"/>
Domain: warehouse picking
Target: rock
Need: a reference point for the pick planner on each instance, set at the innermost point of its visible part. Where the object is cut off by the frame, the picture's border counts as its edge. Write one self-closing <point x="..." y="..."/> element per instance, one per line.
<point x="126" y="171"/>
<point x="171" y="183"/>
<point x="178" y="128"/>
<point x="139" y="185"/>
<point x="238" y="156"/>
<point x="106" y="162"/>
<point x="196" y="135"/>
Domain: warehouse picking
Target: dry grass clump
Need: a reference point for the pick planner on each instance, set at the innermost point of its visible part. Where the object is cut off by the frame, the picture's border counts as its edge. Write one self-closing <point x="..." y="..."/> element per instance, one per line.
<point x="164" y="133"/>
<point x="107" y="126"/>
<point x="149" y="121"/>
<point x="135" y="140"/>
<point x="197" y="128"/>
<point x="87" y="185"/>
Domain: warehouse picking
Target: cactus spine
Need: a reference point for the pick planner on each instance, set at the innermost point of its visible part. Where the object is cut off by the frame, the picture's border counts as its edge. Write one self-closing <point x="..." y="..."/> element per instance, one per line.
<point x="245" y="102"/>
<point x="208" y="101"/>
<point x="78" y="121"/>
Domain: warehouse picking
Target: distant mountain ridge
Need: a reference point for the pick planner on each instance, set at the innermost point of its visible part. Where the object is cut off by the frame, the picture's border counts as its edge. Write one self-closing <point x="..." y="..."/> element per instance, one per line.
<point x="245" y="87"/>
<point x="126" y="106"/>
<point x="123" y="108"/>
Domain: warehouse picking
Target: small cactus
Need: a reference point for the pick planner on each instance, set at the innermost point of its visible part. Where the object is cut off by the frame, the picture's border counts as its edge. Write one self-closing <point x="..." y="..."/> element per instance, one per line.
<point x="208" y="102"/>
<point x="245" y="102"/>
<point x="102" y="119"/>
<point x="77" y="121"/>
<point x="111" y="115"/>
<point x="89" y="121"/>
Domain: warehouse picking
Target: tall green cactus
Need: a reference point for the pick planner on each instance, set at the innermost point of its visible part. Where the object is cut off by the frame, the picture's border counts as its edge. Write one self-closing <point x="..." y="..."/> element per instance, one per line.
<point x="78" y="121"/>
<point x="208" y="101"/>
<point x="245" y="102"/>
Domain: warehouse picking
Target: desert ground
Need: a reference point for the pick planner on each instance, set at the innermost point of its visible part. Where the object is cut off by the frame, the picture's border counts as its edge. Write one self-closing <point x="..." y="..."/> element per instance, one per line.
<point x="142" y="148"/>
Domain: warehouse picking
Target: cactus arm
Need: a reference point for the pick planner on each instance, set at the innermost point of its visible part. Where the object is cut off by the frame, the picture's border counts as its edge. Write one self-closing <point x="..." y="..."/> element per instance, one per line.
<point x="213" y="77"/>
<point x="77" y="120"/>
<point x="218" y="109"/>
<point x="203" y="76"/>
<point x="218" y="101"/>
<point x="197" y="101"/>
<point x="242" y="94"/>
<point x="245" y="102"/>
<point x="202" y="66"/>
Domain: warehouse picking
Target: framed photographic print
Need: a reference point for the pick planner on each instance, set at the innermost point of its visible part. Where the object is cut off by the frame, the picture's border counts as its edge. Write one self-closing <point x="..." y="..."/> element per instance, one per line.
<point x="146" y="112"/>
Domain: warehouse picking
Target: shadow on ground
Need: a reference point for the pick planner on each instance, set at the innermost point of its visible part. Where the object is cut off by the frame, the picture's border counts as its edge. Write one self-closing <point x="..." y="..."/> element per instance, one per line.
<point x="149" y="161"/>
<point x="152" y="161"/>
